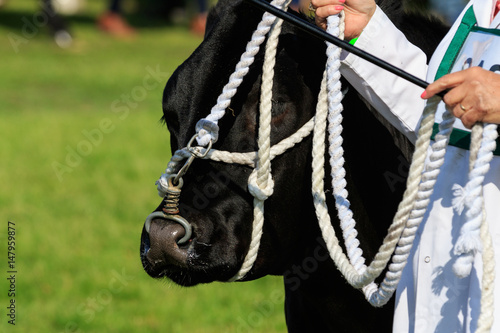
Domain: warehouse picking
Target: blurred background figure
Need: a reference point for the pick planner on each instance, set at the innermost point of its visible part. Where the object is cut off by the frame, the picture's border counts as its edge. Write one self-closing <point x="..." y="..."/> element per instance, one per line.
<point x="199" y="21"/>
<point x="57" y="25"/>
<point x="68" y="7"/>
<point x="448" y="9"/>
<point x="298" y="5"/>
<point x="52" y="11"/>
<point x="113" y="23"/>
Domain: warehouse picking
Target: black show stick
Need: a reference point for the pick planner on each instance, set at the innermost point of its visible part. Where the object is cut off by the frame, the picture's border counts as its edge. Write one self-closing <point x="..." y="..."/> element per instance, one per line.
<point x="323" y="35"/>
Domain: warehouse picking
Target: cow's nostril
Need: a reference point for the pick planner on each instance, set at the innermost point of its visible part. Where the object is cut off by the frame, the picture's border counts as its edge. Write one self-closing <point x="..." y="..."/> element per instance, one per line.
<point x="146" y="245"/>
<point x="163" y="243"/>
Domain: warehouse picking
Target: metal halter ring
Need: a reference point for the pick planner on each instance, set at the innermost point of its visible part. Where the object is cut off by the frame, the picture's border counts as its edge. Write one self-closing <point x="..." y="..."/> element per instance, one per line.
<point x="195" y="153"/>
<point x="195" y="150"/>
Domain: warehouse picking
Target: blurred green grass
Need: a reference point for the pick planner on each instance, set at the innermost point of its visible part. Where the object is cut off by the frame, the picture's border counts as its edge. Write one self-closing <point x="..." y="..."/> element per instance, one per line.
<point x="78" y="166"/>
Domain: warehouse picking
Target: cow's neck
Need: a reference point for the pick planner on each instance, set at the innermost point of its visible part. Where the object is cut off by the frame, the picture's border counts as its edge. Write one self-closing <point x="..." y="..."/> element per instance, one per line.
<point x="320" y="300"/>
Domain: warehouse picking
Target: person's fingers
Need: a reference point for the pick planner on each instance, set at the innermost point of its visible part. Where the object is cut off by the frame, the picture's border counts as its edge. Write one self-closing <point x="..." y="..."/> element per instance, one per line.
<point x="444" y="83"/>
<point x="470" y="117"/>
<point x="458" y="110"/>
<point x="322" y="12"/>
<point x="321" y="3"/>
<point x="329" y="10"/>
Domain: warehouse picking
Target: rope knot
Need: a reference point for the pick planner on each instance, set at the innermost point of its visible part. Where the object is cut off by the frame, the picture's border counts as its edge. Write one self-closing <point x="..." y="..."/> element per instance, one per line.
<point x="260" y="192"/>
<point x="462" y="197"/>
<point x="469" y="241"/>
<point x="463" y="265"/>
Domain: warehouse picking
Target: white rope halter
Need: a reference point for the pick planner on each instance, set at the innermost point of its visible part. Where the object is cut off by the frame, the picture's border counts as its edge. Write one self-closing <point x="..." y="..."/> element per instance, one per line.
<point x="260" y="182"/>
<point x="421" y="179"/>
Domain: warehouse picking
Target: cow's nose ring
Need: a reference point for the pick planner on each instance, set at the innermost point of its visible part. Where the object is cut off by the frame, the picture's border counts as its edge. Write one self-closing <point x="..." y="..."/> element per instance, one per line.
<point x="176" y="218"/>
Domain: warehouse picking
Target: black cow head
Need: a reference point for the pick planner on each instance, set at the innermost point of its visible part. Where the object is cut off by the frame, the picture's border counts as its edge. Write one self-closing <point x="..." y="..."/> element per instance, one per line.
<point x="215" y="199"/>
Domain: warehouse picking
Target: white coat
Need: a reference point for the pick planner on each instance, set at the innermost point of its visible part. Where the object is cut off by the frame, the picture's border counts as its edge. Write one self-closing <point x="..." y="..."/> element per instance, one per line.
<point x="429" y="298"/>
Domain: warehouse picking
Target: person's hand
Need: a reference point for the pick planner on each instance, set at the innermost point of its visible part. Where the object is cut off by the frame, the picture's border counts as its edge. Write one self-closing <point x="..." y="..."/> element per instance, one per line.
<point x="474" y="95"/>
<point x="357" y="14"/>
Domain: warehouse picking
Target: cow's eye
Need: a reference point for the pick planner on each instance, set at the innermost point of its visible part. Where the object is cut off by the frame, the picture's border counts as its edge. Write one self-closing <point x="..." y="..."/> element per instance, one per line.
<point x="278" y="108"/>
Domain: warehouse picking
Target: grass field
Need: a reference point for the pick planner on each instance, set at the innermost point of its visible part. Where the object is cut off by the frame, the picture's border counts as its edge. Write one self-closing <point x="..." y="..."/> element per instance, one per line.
<point x="81" y="149"/>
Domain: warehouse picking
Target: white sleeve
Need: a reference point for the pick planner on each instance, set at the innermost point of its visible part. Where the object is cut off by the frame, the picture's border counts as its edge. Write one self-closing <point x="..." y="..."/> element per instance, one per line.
<point x="396" y="99"/>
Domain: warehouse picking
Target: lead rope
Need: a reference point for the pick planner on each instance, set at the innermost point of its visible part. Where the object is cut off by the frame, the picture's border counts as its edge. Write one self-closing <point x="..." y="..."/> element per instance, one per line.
<point x="336" y="27"/>
<point x="470" y="197"/>
<point x="368" y="275"/>
<point x="470" y="230"/>
<point x="474" y="234"/>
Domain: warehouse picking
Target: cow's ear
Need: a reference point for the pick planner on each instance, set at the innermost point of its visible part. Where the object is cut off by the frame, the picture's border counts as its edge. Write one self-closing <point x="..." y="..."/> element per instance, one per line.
<point x="212" y="19"/>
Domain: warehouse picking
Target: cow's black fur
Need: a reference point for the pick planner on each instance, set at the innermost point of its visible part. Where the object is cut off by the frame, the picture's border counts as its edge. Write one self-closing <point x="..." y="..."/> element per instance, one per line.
<point x="215" y="198"/>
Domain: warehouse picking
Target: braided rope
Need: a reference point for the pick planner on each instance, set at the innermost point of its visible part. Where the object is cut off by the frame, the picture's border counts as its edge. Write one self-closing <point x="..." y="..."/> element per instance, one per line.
<point x="396" y="229"/>
<point x="401" y="252"/>
<point x="425" y="189"/>
<point x="469" y="242"/>
<point x="336" y="27"/>
<point x="486" y="316"/>
<point x="474" y="234"/>
<point x="355" y="271"/>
